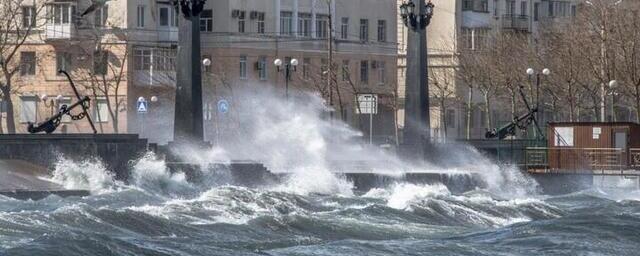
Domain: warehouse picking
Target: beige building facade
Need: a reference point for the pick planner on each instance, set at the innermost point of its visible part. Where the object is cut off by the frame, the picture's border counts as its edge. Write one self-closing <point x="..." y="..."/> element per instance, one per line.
<point x="465" y="25"/>
<point x="133" y="43"/>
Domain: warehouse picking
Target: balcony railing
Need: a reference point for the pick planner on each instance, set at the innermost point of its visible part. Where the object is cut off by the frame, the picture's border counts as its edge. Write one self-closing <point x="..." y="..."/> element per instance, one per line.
<point x="517" y="22"/>
<point x="60" y="31"/>
<point x="168" y="34"/>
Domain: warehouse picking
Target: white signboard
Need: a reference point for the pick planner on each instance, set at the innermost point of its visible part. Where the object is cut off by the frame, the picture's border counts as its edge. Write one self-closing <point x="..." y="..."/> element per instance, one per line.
<point x="596" y="133"/>
<point x="367" y="104"/>
<point x="564" y="137"/>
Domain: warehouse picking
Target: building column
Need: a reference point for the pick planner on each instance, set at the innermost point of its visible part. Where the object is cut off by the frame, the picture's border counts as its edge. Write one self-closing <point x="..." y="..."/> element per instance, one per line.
<point x="277" y="16"/>
<point x="314" y="12"/>
<point x="295" y="18"/>
<point x="333" y="18"/>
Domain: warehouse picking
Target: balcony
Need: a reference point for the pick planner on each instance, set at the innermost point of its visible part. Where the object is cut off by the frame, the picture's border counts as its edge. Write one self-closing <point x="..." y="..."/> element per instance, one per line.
<point x="59" y="31"/>
<point x="155" y="78"/>
<point x="515" y="22"/>
<point x="168" y="34"/>
<point x="60" y="20"/>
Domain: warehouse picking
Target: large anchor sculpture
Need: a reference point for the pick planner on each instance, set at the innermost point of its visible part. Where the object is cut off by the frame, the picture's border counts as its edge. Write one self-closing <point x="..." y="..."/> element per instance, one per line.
<point x="519" y="122"/>
<point x="51" y="124"/>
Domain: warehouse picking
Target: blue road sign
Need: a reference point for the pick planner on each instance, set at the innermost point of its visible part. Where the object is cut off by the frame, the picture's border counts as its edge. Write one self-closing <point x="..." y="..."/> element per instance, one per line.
<point x="223" y="106"/>
<point x="142" y="106"/>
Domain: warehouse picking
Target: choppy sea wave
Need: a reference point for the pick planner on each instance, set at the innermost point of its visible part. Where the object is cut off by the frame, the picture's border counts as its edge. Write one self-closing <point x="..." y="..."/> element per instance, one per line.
<point x="159" y="213"/>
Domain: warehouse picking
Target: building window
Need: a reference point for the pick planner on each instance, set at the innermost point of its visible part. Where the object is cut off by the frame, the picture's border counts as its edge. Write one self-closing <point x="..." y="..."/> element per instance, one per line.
<point x="364" y="30"/>
<point x="475" y="5"/>
<point x="61" y="13"/>
<point x="484" y="6"/>
<point x="345" y="70"/>
<point x="164" y="60"/>
<point x="29" y="109"/>
<point x="551" y="10"/>
<point x="142" y="59"/>
<point x="382" y="72"/>
<point x="286" y="23"/>
<point x="260" y="23"/>
<point x="364" y="72"/>
<point x="242" y="21"/>
<point x="100" y="62"/>
<point x="141" y="11"/>
<point x="206" y="21"/>
<point x="322" y="26"/>
<point x="262" y="68"/>
<point x="168" y="17"/>
<point x="101" y="111"/>
<point x="304" y="24"/>
<point x="496" y="10"/>
<point x="536" y="11"/>
<point x="27" y="63"/>
<point x="305" y="67"/>
<point x="467" y="5"/>
<point x="450" y="118"/>
<point x="511" y="8"/>
<point x="344" y="28"/>
<point x="563" y="137"/>
<point x="382" y="31"/>
<point x="63" y="62"/>
<point x="243" y="67"/>
<point x="523" y="8"/>
<point x="474" y="38"/>
<point x="100" y="16"/>
<point x="28" y="16"/>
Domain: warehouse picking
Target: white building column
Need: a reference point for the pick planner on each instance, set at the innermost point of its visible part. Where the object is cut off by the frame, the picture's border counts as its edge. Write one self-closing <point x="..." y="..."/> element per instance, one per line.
<point x="314" y="12"/>
<point x="295" y="18"/>
<point x="333" y="18"/>
<point x="277" y="16"/>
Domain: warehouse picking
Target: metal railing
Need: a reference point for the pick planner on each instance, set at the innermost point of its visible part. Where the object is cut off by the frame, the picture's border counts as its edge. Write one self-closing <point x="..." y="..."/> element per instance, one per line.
<point x="581" y="158"/>
<point x="519" y="22"/>
<point x="634" y="158"/>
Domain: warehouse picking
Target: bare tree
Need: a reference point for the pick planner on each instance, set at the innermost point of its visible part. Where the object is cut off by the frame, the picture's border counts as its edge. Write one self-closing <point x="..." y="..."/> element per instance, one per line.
<point x="18" y="21"/>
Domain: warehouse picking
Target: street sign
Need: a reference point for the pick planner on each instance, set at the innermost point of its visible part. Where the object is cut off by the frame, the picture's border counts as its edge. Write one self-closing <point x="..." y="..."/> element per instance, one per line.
<point x="223" y="106"/>
<point x="367" y="104"/>
<point x="142" y="106"/>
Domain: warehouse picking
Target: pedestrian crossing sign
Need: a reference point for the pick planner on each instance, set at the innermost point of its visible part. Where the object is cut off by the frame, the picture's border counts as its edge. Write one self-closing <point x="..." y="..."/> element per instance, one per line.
<point x="142" y="107"/>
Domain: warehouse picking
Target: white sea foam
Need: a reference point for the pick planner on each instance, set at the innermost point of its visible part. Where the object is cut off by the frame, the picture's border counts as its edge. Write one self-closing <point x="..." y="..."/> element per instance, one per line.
<point x="84" y="175"/>
<point x="151" y="174"/>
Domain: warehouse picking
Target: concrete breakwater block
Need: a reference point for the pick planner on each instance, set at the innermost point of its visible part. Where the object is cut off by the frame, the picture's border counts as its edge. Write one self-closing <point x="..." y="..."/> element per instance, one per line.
<point x="456" y="183"/>
<point x="249" y="174"/>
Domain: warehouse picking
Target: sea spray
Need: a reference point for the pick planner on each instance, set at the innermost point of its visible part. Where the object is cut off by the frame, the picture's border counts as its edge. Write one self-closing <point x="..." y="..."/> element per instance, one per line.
<point x="152" y="175"/>
<point x="90" y="174"/>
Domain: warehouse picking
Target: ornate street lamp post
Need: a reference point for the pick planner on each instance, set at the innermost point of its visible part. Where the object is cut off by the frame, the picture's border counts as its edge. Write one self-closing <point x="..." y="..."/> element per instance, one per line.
<point x="416" y="15"/>
<point x="188" y="118"/>
<point x="288" y="68"/>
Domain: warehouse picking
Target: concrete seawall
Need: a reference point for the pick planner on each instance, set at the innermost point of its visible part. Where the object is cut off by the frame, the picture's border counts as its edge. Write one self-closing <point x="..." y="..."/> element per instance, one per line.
<point x="114" y="150"/>
<point x="26" y="158"/>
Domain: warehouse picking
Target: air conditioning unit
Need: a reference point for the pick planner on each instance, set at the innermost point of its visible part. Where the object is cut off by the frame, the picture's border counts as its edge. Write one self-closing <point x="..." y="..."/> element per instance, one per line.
<point x="374" y="64"/>
<point x="253" y="15"/>
<point x="235" y="13"/>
